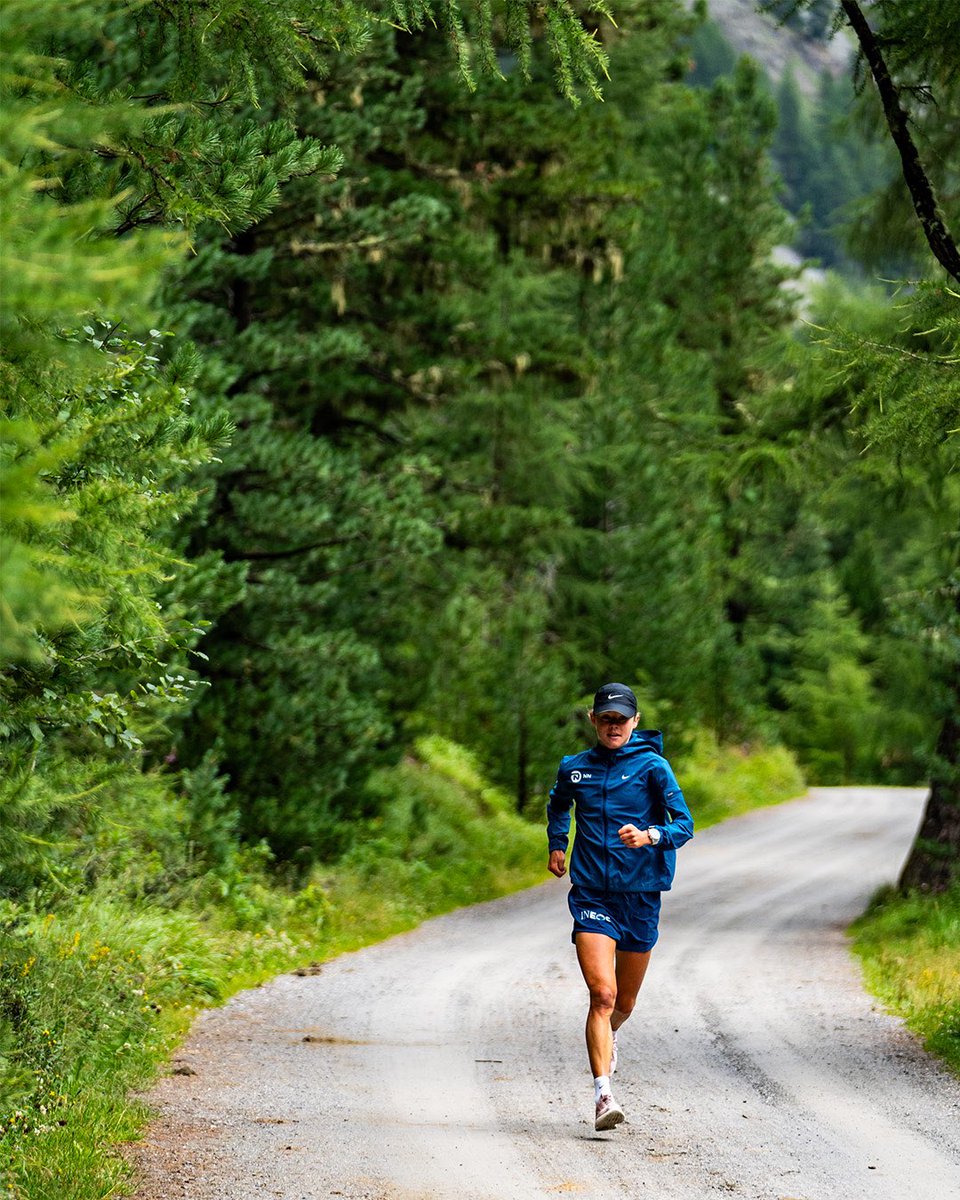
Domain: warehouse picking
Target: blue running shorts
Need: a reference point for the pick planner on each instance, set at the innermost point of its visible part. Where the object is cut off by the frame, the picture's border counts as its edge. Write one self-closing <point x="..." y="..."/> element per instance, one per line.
<point x="630" y="918"/>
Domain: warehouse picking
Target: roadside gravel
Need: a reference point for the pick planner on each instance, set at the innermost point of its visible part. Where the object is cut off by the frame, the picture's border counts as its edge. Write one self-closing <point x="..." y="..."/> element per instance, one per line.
<point x="449" y="1063"/>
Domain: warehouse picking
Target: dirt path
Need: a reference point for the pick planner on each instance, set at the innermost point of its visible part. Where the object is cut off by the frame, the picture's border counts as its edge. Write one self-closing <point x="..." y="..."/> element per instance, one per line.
<point x="448" y="1064"/>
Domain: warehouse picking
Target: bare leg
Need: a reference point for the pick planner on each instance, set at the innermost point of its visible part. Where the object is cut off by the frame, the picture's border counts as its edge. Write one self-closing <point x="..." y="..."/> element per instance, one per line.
<point x="630" y="970"/>
<point x="596" y="954"/>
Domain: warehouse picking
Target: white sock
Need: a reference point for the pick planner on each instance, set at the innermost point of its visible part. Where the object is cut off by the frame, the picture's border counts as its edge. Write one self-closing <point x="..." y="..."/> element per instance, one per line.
<point x="601" y="1087"/>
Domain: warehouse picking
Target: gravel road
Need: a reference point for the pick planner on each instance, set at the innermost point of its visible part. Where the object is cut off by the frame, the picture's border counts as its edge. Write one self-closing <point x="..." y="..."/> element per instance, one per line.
<point x="448" y="1063"/>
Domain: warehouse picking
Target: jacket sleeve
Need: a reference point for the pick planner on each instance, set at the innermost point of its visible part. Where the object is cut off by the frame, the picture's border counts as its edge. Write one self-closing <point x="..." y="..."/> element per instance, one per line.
<point x="558" y="812"/>
<point x="677" y="827"/>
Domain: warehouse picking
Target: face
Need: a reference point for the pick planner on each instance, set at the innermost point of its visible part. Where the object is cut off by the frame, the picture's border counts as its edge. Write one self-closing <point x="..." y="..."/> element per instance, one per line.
<point x="613" y="730"/>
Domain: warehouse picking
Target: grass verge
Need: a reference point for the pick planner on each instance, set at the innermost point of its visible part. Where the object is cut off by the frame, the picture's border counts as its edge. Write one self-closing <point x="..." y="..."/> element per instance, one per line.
<point x="725" y="781"/>
<point x="95" y="995"/>
<point x="909" y="947"/>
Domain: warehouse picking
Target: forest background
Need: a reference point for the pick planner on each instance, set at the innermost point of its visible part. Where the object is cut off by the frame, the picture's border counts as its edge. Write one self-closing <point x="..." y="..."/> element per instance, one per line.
<point x="371" y="392"/>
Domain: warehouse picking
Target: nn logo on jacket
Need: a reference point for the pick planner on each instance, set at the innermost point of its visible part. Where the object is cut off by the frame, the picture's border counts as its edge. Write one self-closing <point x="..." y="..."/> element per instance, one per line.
<point x="576" y="776"/>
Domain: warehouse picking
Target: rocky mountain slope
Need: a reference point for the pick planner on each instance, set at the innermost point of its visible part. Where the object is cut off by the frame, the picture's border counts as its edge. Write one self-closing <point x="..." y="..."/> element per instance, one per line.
<point x="775" y="46"/>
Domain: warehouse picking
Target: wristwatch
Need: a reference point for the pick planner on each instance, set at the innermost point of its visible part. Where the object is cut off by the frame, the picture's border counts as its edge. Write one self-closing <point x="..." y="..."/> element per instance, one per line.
<point x="654" y="835"/>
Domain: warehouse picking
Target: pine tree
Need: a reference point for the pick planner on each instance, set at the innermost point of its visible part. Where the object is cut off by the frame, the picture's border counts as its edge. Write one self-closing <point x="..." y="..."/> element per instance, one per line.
<point x="97" y="439"/>
<point x="909" y="52"/>
<point x="132" y="132"/>
<point x="794" y="146"/>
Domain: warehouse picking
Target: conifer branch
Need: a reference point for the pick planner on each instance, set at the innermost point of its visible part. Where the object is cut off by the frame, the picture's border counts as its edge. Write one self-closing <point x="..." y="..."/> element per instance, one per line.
<point x="939" y="238"/>
<point x="292" y="551"/>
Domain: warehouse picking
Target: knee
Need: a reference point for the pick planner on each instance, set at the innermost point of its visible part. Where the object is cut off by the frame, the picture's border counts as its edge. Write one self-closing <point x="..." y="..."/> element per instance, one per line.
<point x="603" y="998"/>
<point x="625" y="1004"/>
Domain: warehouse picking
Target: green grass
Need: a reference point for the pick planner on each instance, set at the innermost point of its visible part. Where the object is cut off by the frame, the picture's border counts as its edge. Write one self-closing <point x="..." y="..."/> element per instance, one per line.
<point x="725" y="781"/>
<point x="909" y="947"/>
<point x="95" y="995"/>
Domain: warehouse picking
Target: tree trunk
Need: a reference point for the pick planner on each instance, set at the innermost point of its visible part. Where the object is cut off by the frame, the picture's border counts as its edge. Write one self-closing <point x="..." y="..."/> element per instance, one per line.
<point x="934" y="861"/>
<point x="522" y="788"/>
<point x="938" y="236"/>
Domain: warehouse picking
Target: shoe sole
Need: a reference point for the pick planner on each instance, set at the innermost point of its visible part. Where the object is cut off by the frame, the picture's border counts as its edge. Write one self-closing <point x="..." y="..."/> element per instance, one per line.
<point x="610" y="1120"/>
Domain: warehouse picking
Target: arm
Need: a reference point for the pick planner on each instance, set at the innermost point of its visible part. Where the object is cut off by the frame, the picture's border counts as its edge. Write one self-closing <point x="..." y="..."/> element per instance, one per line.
<point x="558" y="825"/>
<point x="678" y="823"/>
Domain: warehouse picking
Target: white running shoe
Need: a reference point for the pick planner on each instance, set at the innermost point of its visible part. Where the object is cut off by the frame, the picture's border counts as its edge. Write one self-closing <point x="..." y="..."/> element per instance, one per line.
<point x="609" y="1113"/>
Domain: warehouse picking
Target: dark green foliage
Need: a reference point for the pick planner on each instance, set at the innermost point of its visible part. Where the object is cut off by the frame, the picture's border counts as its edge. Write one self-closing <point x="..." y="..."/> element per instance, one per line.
<point x="115" y="121"/>
<point x="553" y="332"/>
<point x="113" y="453"/>
<point x="682" y="379"/>
<point x="319" y="518"/>
<point x="506" y="396"/>
<point x="829" y="167"/>
<point x="711" y="55"/>
<point x="293" y="674"/>
<point x="911" y="412"/>
<point x="831" y="709"/>
<point x="90" y="658"/>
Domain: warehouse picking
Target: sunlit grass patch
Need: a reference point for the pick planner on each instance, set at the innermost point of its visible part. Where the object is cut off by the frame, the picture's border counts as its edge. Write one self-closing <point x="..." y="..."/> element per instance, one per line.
<point x="92" y="999"/>
<point x="725" y="781"/>
<point x="910" y="950"/>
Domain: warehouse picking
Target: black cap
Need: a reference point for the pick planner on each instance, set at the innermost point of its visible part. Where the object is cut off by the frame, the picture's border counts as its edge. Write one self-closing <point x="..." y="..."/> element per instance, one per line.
<point x="615" y="697"/>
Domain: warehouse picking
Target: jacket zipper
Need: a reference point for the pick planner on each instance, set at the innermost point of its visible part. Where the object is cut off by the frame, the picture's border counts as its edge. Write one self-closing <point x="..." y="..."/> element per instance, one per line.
<point x="603" y="826"/>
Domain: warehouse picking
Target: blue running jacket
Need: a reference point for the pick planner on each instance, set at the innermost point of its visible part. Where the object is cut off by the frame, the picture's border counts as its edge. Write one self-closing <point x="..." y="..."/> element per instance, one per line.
<point x="634" y="785"/>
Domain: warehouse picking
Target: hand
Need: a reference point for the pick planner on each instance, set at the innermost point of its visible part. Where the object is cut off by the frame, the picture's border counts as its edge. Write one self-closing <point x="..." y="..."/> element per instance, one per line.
<point x="557" y="864"/>
<point x="633" y="837"/>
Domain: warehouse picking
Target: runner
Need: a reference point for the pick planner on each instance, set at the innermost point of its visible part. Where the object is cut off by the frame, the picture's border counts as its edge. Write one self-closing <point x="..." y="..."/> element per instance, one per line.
<point x="631" y="818"/>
